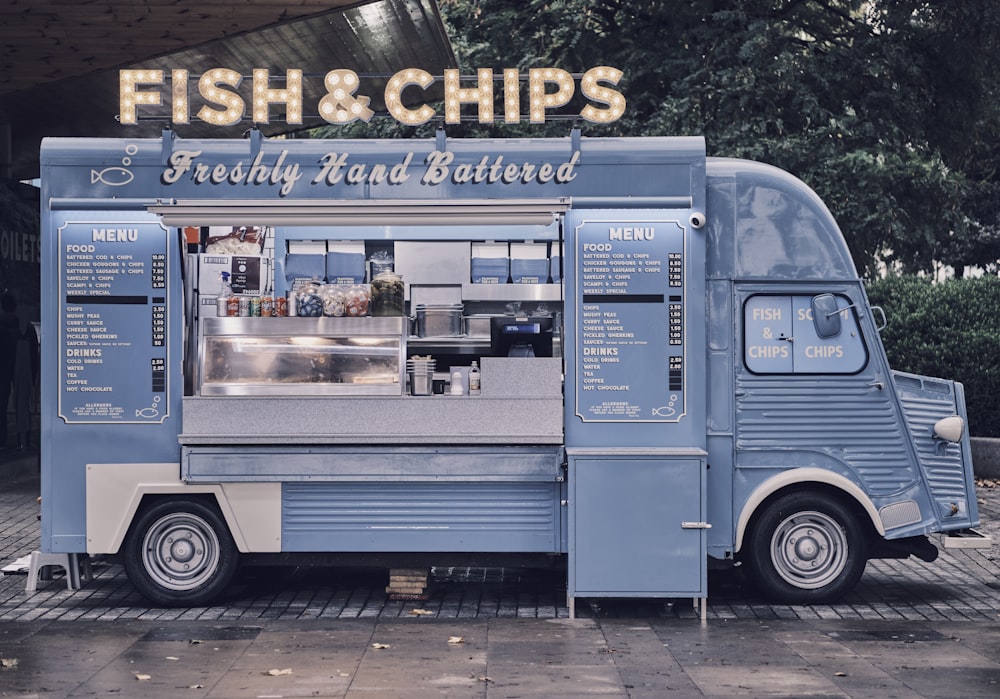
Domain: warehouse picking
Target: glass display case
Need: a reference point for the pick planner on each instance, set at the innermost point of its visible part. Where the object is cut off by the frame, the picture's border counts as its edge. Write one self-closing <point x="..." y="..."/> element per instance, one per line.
<point x="302" y="356"/>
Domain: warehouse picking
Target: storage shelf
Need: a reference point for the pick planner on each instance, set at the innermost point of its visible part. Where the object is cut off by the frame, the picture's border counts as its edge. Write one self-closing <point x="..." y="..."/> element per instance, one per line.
<point x="511" y="292"/>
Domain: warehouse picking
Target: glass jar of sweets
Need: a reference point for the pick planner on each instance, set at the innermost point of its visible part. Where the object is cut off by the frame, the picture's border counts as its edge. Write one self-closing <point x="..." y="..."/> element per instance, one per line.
<point x="387" y="294"/>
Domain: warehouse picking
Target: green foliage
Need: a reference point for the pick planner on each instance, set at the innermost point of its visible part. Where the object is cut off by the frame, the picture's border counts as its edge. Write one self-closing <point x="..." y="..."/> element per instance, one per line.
<point x="947" y="330"/>
<point x="889" y="108"/>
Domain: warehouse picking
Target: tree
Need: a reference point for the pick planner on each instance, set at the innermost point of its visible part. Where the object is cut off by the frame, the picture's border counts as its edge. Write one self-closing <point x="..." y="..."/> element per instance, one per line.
<point x="941" y="330"/>
<point x="888" y="108"/>
<point x="958" y="49"/>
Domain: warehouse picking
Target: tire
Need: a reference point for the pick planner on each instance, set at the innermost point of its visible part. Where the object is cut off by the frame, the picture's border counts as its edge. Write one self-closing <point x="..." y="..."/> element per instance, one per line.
<point x="179" y="552"/>
<point x="806" y="548"/>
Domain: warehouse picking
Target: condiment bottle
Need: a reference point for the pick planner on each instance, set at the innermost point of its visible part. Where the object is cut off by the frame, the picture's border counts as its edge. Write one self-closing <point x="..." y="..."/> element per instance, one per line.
<point x="474" y="377"/>
<point x="225" y="292"/>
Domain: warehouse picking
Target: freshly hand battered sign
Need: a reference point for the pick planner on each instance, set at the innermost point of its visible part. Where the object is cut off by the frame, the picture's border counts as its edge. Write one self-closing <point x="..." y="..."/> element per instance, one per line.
<point x="342" y="105"/>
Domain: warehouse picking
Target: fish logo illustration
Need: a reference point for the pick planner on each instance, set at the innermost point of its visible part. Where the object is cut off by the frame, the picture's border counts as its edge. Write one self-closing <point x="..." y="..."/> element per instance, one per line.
<point x="116" y="176"/>
<point x="112" y="176"/>
<point x="664" y="411"/>
<point x="147" y="412"/>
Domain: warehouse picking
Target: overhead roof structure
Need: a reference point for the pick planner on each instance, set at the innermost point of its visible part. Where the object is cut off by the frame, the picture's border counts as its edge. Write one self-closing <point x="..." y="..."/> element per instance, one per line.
<point x="60" y="60"/>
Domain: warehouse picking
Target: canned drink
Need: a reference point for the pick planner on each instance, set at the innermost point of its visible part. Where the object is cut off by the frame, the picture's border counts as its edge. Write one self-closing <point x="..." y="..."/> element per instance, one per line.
<point x="221" y="306"/>
<point x="280" y="306"/>
<point x="233" y="306"/>
<point x="290" y="304"/>
<point x="244" y="306"/>
<point x="255" y="307"/>
<point x="266" y="307"/>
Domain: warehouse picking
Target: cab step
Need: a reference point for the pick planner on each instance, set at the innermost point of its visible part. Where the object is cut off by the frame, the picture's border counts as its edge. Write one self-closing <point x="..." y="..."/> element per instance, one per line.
<point x="966" y="539"/>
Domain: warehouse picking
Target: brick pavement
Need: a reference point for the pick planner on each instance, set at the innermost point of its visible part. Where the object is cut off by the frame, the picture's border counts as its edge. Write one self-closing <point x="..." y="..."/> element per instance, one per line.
<point x="962" y="585"/>
<point x="910" y="630"/>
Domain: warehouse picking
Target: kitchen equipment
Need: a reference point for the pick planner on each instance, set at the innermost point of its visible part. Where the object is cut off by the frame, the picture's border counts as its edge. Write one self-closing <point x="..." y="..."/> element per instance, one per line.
<point x="477" y="325"/>
<point x="420" y="371"/>
<point x="439" y="320"/>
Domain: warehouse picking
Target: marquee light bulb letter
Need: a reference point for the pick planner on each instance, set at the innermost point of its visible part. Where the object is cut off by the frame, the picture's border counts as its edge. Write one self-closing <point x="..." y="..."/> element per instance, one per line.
<point x="455" y="96"/>
<point x="592" y="88"/>
<point x="129" y="97"/>
<point x="539" y="100"/>
<point x="290" y="96"/>
<point x="511" y="96"/>
<point x="222" y="103"/>
<point x="209" y="87"/>
<point x="339" y="105"/>
<point x="178" y="90"/>
<point x="394" y="96"/>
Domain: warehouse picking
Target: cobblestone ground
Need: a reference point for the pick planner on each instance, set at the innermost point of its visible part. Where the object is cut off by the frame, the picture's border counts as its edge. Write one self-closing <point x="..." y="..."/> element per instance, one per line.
<point x="961" y="585"/>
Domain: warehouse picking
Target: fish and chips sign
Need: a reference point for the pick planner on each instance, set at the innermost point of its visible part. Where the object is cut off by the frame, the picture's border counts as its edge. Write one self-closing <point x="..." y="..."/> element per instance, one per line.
<point x="548" y="90"/>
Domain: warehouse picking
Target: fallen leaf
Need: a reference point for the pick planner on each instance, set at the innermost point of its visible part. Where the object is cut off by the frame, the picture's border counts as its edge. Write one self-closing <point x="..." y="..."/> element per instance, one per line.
<point x="381" y="646"/>
<point x="421" y="612"/>
<point x="172" y="657"/>
<point x="484" y="678"/>
<point x="143" y="678"/>
<point x="456" y="639"/>
<point x="8" y="662"/>
<point x="840" y="674"/>
<point x="196" y="686"/>
<point x="195" y="641"/>
<point x="278" y="673"/>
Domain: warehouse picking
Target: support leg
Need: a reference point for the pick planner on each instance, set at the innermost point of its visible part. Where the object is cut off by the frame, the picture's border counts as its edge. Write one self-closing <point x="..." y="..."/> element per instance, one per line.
<point x="71" y="562"/>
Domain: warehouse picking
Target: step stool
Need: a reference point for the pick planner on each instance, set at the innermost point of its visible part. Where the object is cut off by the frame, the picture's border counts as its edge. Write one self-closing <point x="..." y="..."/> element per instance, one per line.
<point x="71" y="562"/>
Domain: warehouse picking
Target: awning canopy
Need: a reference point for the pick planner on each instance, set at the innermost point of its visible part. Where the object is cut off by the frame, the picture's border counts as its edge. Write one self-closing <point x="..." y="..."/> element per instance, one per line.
<point x="540" y="212"/>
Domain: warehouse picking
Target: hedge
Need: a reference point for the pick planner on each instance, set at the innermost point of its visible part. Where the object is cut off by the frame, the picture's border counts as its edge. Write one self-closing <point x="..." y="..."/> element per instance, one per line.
<point x="949" y="330"/>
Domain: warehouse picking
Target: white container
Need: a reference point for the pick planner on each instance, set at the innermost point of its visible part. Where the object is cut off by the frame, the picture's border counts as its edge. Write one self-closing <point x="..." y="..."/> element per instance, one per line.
<point x="457" y="384"/>
<point x="248" y="274"/>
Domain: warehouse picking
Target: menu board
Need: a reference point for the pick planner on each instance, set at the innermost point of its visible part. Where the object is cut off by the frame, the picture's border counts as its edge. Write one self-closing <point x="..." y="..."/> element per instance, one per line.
<point x="629" y="344"/>
<point x="113" y="322"/>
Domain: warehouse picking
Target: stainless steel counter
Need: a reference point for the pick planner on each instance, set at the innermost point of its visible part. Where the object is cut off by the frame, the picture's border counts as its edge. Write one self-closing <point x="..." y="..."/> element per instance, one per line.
<point x="521" y="403"/>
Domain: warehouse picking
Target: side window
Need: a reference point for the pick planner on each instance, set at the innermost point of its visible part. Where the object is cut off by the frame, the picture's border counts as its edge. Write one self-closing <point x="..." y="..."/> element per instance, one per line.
<point x="780" y="338"/>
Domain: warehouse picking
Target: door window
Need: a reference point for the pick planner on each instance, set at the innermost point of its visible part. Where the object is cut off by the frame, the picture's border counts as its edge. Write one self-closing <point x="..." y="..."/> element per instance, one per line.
<point x="780" y="338"/>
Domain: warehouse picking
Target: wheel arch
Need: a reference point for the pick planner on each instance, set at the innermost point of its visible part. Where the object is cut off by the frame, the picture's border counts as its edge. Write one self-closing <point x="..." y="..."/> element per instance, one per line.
<point x="804" y="479"/>
<point x="117" y="492"/>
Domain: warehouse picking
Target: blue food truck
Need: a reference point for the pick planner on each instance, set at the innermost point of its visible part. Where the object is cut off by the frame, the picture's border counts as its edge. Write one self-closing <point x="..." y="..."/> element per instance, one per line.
<point x="613" y="354"/>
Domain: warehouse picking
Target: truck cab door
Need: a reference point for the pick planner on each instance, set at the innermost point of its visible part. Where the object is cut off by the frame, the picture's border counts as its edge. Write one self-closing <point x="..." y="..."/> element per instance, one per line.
<point x="803" y="399"/>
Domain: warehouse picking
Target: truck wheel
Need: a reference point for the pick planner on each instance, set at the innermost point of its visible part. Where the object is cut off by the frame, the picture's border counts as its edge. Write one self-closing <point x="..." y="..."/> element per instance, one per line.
<point x="180" y="553"/>
<point x="806" y="548"/>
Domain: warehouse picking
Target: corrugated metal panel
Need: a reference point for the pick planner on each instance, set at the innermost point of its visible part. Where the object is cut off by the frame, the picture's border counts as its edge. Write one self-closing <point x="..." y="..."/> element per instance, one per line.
<point x="925" y="401"/>
<point x="844" y="418"/>
<point x="482" y="517"/>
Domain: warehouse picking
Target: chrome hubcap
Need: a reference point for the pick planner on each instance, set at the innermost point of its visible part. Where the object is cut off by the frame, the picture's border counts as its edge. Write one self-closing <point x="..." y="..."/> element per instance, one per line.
<point x="809" y="550"/>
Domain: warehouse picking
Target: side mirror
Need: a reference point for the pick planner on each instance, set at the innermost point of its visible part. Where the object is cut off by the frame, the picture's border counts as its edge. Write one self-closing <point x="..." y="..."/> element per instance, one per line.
<point x="826" y="315"/>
